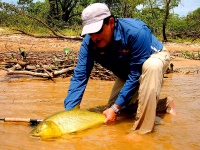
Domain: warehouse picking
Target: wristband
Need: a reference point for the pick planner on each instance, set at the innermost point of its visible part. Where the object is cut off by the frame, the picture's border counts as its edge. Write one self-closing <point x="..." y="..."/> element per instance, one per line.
<point x="117" y="111"/>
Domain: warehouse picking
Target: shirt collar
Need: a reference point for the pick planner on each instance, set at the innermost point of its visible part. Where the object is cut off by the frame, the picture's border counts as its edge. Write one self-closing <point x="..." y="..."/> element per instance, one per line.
<point x="117" y="35"/>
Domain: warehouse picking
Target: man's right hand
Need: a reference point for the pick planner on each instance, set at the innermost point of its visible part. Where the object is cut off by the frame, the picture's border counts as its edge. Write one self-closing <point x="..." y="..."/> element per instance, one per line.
<point x="110" y="116"/>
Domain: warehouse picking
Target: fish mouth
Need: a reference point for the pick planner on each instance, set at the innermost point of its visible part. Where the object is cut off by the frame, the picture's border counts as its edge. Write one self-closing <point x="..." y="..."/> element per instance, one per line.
<point x="46" y="129"/>
<point x="34" y="133"/>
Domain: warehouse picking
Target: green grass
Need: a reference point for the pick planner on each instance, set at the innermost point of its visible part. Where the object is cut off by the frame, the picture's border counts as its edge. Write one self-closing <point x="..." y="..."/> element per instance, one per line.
<point x="74" y="31"/>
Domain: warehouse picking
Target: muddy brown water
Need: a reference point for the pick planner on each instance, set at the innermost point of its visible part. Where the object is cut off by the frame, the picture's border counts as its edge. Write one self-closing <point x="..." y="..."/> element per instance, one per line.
<point x="27" y="97"/>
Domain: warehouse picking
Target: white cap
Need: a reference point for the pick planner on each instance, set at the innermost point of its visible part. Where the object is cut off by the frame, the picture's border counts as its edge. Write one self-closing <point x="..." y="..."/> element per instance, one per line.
<point x="93" y="16"/>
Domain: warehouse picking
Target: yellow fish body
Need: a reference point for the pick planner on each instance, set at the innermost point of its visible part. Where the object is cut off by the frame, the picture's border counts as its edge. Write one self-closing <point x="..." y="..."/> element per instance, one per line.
<point x="67" y="121"/>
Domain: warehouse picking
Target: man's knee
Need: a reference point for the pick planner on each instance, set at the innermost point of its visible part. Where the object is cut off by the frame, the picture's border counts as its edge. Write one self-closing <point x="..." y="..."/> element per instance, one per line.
<point x="152" y="65"/>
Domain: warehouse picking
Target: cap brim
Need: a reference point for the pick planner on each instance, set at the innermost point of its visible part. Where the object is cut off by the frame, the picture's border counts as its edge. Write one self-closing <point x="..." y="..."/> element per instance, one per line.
<point x="92" y="28"/>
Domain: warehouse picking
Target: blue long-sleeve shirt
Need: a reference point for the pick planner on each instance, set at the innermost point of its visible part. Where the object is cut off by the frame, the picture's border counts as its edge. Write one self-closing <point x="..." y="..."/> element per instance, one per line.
<point x="132" y="44"/>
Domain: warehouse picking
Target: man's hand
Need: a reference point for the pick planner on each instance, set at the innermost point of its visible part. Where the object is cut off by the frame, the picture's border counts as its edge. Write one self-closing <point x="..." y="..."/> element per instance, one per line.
<point x="110" y="116"/>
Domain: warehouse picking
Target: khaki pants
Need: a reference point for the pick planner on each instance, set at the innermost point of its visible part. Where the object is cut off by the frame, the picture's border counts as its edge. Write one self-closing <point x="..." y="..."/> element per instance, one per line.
<point x="146" y="100"/>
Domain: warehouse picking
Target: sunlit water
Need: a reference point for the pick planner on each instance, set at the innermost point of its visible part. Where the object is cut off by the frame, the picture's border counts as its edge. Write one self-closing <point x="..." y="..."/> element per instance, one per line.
<point x="39" y="98"/>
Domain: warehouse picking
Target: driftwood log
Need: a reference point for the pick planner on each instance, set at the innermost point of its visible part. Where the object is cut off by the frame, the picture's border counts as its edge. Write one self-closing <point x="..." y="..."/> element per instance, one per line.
<point x="44" y="75"/>
<point x="44" y="64"/>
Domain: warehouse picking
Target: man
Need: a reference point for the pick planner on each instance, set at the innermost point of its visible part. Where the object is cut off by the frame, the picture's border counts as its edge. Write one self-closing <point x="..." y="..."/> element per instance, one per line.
<point x="129" y="49"/>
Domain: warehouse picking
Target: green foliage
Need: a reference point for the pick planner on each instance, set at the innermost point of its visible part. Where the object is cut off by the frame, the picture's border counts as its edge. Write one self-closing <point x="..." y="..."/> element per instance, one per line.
<point x="154" y="21"/>
<point x="15" y="16"/>
<point x="193" y="21"/>
<point x="72" y="30"/>
<point x="66" y="17"/>
<point x="191" y="55"/>
<point x="67" y="50"/>
<point x="24" y="2"/>
<point x="186" y="28"/>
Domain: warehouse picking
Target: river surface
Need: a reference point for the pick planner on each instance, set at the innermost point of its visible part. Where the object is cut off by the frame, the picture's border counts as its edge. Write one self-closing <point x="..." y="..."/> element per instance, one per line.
<point x="39" y="98"/>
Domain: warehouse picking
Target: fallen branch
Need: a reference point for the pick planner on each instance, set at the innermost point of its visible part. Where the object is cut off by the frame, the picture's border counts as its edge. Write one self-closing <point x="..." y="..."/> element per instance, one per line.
<point x="55" y="35"/>
<point x="50" y="75"/>
<point x="51" y="36"/>
<point x="59" y="72"/>
<point x="44" y="75"/>
<point x="51" y="64"/>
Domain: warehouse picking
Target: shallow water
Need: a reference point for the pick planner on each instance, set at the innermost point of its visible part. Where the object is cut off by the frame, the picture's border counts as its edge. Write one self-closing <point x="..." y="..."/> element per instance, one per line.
<point x="39" y="98"/>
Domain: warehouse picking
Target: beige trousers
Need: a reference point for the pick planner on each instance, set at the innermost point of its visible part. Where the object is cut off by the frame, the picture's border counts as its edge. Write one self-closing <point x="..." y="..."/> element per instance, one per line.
<point x="147" y="96"/>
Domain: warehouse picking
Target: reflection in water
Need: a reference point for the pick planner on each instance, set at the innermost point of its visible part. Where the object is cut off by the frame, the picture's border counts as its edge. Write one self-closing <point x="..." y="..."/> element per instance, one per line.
<point x="39" y="98"/>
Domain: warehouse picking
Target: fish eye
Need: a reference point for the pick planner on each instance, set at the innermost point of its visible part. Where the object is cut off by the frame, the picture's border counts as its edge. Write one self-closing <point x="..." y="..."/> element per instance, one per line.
<point x="37" y="131"/>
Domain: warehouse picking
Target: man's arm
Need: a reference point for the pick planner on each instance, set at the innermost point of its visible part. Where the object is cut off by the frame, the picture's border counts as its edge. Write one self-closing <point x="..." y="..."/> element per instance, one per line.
<point x="80" y="78"/>
<point x="140" y="51"/>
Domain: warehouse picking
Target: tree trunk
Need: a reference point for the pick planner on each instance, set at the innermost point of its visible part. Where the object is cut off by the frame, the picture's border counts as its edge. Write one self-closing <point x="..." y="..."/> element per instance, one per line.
<point x="52" y="10"/>
<point x="165" y="20"/>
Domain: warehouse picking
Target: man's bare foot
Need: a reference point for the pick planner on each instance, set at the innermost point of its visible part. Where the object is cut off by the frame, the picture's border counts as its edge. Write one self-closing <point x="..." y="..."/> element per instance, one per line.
<point x="171" y="109"/>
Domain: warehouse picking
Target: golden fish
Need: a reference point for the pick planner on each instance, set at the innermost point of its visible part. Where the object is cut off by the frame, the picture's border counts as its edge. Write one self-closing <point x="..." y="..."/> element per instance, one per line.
<point x="67" y="121"/>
